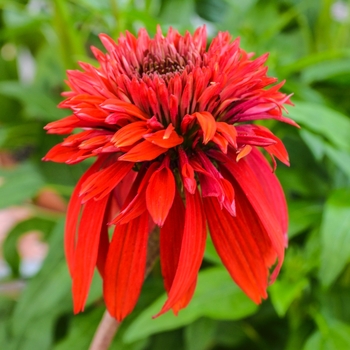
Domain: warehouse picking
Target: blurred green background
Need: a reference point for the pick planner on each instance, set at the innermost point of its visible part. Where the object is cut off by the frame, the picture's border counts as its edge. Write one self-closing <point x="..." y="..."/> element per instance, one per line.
<point x="308" y="306"/>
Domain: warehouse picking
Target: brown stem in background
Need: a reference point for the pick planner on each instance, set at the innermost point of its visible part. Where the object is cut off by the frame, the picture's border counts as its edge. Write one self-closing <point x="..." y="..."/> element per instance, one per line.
<point x="108" y="326"/>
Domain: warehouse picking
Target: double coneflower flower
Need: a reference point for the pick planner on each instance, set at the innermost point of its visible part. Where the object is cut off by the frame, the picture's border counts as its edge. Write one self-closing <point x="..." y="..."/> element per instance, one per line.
<point x="169" y="124"/>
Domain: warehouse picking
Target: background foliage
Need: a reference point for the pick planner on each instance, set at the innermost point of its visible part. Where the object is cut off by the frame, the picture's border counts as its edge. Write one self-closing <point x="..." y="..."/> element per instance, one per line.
<point x="309" y="305"/>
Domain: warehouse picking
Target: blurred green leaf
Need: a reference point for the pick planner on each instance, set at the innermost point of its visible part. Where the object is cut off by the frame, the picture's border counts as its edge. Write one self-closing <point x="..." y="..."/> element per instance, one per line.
<point x="325" y="70"/>
<point x="336" y="337"/>
<point x="335" y="236"/>
<point x="211" y="10"/>
<point x="284" y="292"/>
<point x="200" y="334"/>
<point x="19" y="184"/>
<point x="216" y="296"/>
<point x="332" y="125"/>
<point x="303" y="215"/>
<point x="37" y="104"/>
<point x="82" y="329"/>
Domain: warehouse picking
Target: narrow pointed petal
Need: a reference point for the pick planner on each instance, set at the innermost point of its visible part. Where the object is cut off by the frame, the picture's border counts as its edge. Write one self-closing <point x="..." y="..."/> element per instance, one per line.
<point x="236" y="240"/>
<point x="165" y="138"/>
<point x="135" y="203"/>
<point x="207" y="124"/>
<point x="241" y="175"/>
<point x="142" y="152"/>
<point x="228" y="131"/>
<point x="87" y="250"/>
<point x="171" y="240"/>
<point x="104" y="181"/>
<point x="186" y="298"/>
<point x="192" y="251"/>
<point x="272" y="188"/>
<point x="125" y="267"/>
<point x="160" y="194"/>
<point x="103" y="248"/>
<point x="72" y="219"/>
<point x="129" y="134"/>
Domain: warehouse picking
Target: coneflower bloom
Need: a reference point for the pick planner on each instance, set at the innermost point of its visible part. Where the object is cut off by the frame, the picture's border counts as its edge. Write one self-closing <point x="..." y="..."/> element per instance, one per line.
<point x="170" y="125"/>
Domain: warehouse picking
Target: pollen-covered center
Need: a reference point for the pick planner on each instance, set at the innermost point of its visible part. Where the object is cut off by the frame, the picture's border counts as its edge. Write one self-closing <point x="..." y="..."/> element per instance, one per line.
<point x="154" y="64"/>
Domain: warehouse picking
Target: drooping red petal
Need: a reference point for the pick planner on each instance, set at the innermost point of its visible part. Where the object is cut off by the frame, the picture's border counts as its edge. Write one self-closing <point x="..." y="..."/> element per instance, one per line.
<point x="192" y="251"/>
<point x="104" y="181"/>
<point x="160" y="194"/>
<point x="142" y="152"/>
<point x="125" y="266"/>
<point x="241" y="175"/>
<point x="103" y="248"/>
<point x="272" y="187"/>
<point x="237" y="240"/>
<point x="171" y="240"/>
<point x="87" y="250"/>
<point x="72" y="219"/>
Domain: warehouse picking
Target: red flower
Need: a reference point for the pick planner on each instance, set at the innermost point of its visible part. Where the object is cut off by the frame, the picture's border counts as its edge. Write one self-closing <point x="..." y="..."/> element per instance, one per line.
<point x="169" y="122"/>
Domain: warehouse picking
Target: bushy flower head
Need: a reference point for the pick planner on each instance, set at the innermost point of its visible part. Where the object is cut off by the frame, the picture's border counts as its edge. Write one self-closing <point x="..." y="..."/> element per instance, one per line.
<point x="170" y="125"/>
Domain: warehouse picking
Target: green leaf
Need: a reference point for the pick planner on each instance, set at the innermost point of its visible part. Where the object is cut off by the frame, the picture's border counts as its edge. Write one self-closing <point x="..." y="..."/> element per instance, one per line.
<point x="200" y="334"/>
<point x="325" y="70"/>
<point x="284" y="292"/>
<point x="38" y="104"/>
<point x="11" y="255"/>
<point x="211" y="10"/>
<point x="336" y="337"/>
<point x="216" y="296"/>
<point x="335" y="236"/>
<point x="332" y="125"/>
<point x="303" y="215"/>
<point x="19" y="184"/>
<point x="81" y="330"/>
<point x="320" y="148"/>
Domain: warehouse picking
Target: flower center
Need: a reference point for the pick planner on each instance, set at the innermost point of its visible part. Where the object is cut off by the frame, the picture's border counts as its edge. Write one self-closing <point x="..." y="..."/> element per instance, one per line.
<point x="163" y="66"/>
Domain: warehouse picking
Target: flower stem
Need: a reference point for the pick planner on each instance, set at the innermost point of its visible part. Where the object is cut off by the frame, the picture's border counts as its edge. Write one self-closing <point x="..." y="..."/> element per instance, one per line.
<point x="108" y="326"/>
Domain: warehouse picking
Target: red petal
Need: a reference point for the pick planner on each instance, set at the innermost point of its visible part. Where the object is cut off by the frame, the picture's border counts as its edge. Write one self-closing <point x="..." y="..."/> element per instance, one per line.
<point x="208" y="125"/>
<point x="104" y="181"/>
<point x="129" y="134"/>
<point x="228" y="131"/>
<point x="135" y="203"/>
<point x="272" y="187"/>
<point x="170" y="241"/>
<point x="87" y="250"/>
<point x="165" y="138"/>
<point x="125" y="267"/>
<point x="278" y="148"/>
<point x="73" y="217"/>
<point x="241" y="175"/>
<point x="192" y="250"/>
<point x="160" y="194"/>
<point x="142" y="152"/>
<point x="103" y="248"/>
<point x="237" y="240"/>
<point x="69" y="155"/>
<point x="114" y="105"/>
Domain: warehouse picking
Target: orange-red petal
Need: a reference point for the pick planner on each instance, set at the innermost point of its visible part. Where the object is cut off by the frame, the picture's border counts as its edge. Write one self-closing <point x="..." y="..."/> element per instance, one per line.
<point x="125" y="266"/>
<point x="160" y="194"/>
